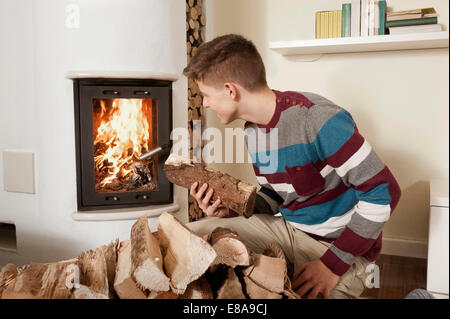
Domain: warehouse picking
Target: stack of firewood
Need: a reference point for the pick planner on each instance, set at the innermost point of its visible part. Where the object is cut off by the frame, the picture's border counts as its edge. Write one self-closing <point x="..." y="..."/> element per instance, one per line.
<point x="168" y="264"/>
<point x="195" y="35"/>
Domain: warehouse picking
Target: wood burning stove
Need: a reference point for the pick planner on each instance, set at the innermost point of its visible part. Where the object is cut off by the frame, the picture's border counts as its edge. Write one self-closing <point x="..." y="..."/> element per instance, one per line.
<point x="117" y="121"/>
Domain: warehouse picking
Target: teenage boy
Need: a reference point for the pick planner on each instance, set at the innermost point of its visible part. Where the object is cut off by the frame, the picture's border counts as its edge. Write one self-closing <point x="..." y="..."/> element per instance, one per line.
<point x="329" y="196"/>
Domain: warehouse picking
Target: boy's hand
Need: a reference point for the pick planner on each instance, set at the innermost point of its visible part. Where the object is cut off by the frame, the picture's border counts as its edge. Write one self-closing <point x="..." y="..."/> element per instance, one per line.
<point x="315" y="277"/>
<point x="204" y="202"/>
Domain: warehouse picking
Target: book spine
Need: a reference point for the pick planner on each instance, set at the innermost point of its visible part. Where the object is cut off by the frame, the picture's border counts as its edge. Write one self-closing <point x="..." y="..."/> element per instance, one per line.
<point x="355" y="18"/>
<point x="376" y="17"/>
<point x="402" y="23"/>
<point x="330" y="24"/>
<point x="364" y="18"/>
<point x="339" y="23"/>
<point x="346" y="19"/>
<point x="318" y="16"/>
<point x="323" y="26"/>
<point x="371" y="17"/>
<point x="382" y="23"/>
<point x="337" y="34"/>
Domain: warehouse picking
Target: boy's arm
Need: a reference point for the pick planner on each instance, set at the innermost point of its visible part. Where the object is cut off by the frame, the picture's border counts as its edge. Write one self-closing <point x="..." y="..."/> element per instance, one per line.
<point x="339" y="143"/>
<point x="267" y="201"/>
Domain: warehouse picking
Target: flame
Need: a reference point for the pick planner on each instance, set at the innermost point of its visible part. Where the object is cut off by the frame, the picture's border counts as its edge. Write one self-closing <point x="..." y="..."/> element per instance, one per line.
<point x="125" y="131"/>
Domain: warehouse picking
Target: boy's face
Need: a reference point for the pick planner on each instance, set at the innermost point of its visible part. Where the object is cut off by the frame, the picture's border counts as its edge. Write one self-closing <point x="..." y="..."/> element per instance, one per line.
<point x="220" y="100"/>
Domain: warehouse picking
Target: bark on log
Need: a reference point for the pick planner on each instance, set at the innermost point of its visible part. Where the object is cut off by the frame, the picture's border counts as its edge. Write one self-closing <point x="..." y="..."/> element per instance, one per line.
<point x="237" y="195"/>
<point x="230" y="249"/>
<point x="187" y="256"/>
<point x="124" y="282"/>
<point x="146" y="258"/>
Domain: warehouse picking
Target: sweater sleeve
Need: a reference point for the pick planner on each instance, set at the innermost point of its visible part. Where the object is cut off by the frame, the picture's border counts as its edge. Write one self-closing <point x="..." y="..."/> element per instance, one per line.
<point x="267" y="201"/>
<point x="338" y="143"/>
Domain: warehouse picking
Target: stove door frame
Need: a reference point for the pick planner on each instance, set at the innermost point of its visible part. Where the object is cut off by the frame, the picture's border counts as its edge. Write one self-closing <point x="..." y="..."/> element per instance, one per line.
<point x="85" y="90"/>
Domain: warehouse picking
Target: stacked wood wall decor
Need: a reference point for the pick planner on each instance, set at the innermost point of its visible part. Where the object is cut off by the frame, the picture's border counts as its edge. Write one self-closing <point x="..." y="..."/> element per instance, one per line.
<point x="195" y="35"/>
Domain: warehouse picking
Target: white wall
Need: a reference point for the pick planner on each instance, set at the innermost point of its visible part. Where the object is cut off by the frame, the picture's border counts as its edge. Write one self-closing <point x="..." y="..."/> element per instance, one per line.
<point x="37" y="113"/>
<point x="399" y="99"/>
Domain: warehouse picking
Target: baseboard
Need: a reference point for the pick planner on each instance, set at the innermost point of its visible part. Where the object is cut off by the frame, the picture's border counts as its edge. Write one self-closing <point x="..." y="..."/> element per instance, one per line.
<point x="405" y="248"/>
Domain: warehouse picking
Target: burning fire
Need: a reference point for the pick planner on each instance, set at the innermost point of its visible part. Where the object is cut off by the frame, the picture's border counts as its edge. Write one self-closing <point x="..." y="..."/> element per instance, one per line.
<point x="125" y="131"/>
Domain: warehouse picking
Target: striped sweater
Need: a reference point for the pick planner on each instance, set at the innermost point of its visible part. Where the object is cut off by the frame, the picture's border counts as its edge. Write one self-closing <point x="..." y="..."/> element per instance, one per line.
<point x="322" y="176"/>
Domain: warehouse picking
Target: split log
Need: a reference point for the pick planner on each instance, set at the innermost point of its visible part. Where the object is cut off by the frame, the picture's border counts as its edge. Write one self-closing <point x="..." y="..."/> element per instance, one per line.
<point x="235" y="194"/>
<point x="187" y="256"/>
<point x="254" y="291"/>
<point x="231" y="288"/>
<point x="7" y="275"/>
<point x="198" y="101"/>
<point x="94" y="271"/>
<point x="188" y="47"/>
<point x="230" y="249"/>
<point x="41" y="281"/>
<point x="162" y="295"/>
<point x="202" y="35"/>
<point x="267" y="272"/>
<point x="110" y="253"/>
<point x="191" y="24"/>
<point x="124" y="283"/>
<point x="193" y="52"/>
<point x="198" y="289"/>
<point x="84" y="292"/>
<point x="274" y="250"/>
<point x="194" y="13"/>
<point x="146" y="258"/>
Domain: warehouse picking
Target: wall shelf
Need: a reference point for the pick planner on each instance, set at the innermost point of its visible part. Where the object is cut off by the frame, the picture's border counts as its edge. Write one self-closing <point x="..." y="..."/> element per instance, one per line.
<point x="318" y="47"/>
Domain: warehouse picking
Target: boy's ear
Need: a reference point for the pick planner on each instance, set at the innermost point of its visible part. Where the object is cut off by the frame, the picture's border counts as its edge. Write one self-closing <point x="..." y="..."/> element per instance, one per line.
<point x="232" y="90"/>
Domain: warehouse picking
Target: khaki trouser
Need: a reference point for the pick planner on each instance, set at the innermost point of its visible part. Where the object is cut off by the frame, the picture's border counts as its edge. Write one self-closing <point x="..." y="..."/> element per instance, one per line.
<point x="262" y="229"/>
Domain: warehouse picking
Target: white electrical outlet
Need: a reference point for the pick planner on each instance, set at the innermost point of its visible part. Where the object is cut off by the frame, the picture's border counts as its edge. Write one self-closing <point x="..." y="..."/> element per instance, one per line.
<point x="18" y="172"/>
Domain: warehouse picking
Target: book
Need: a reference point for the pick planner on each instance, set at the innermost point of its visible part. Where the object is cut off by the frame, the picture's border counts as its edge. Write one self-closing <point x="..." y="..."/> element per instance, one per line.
<point x="382" y="22"/>
<point x="415" y="29"/>
<point x="339" y="23"/>
<point x="346" y="19"/>
<point x="411" y="14"/>
<point x="376" y="18"/>
<point x="317" y="30"/>
<point x="332" y="23"/>
<point x="424" y="12"/>
<point x="337" y="33"/>
<point x="323" y="25"/>
<point x="404" y="16"/>
<point x="364" y="18"/>
<point x="327" y="24"/>
<point x="371" y="17"/>
<point x="420" y="21"/>
<point x="355" y="21"/>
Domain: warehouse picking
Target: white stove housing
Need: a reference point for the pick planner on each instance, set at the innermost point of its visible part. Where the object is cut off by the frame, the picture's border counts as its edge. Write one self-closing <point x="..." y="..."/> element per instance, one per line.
<point x="45" y="44"/>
